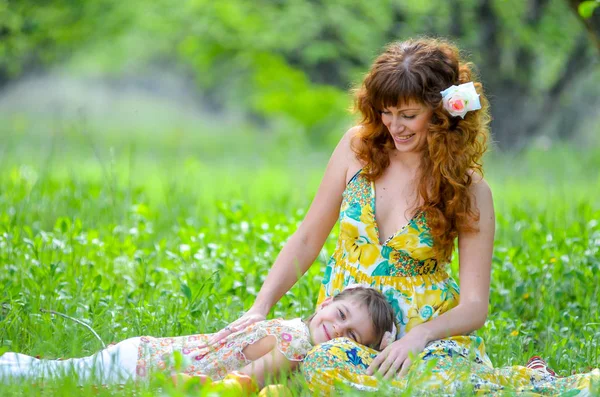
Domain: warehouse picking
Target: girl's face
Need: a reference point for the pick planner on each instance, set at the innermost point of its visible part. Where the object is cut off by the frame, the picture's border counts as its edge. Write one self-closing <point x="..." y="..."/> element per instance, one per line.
<point x="342" y="318"/>
<point x="408" y="124"/>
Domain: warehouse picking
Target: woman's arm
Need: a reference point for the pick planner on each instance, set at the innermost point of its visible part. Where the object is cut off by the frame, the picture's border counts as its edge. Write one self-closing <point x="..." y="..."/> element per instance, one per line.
<point x="475" y="261"/>
<point x="305" y="244"/>
<point x="300" y="251"/>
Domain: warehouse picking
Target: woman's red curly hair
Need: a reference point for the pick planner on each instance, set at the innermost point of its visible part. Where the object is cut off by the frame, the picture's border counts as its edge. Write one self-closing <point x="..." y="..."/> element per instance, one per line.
<point x="418" y="70"/>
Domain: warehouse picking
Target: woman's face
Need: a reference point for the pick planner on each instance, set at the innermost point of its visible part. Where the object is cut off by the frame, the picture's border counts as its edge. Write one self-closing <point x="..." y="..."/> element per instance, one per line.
<point x="408" y="124"/>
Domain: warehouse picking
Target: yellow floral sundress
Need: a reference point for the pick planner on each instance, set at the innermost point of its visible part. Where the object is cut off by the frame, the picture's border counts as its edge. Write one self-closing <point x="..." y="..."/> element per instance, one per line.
<point x="404" y="269"/>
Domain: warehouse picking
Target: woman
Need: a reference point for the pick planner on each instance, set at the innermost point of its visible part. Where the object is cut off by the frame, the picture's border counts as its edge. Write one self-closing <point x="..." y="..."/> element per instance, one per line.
<point x="409" y="183"/>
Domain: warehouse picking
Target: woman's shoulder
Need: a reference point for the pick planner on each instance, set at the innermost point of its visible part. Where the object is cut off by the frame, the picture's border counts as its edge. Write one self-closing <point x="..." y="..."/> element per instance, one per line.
<point x="354" y="130"/>
<point x="480" y="189"/>
<point x="478" y="182"/>
<point x="348" y="143"/>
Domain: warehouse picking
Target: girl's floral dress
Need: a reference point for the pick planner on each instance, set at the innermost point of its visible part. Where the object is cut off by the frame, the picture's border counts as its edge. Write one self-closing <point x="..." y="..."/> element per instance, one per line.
<point x="186" y="354"/>
<point x="404" y="269"/>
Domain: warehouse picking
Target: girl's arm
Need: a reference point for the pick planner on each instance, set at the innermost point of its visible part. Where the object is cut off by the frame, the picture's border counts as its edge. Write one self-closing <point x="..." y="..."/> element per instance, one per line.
<point x="300" y="251"/>
<point x="269" y="366"/>
<point x="475" y="258"/>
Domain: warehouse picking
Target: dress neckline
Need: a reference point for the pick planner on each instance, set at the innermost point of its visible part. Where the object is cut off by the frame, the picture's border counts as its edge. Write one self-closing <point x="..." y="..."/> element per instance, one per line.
<point x="373" y="192"/>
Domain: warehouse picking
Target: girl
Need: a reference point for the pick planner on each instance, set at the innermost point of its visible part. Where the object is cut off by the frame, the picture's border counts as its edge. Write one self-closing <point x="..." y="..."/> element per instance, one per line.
<point x="264" y="348"/>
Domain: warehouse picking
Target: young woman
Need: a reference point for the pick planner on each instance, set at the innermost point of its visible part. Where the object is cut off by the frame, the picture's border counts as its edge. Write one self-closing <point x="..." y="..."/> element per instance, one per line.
<point x="406" y="183"/>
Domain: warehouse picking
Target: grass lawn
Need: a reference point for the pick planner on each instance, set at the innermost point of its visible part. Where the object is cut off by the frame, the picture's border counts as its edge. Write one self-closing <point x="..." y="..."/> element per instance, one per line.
<point x="149" y="236"/>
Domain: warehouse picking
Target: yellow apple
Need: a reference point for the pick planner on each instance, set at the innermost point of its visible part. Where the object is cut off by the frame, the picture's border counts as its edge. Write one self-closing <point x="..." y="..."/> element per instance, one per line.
<point x="228" y="387"/>
<point x="248" y="384"/>
<point x="275" y="391"/>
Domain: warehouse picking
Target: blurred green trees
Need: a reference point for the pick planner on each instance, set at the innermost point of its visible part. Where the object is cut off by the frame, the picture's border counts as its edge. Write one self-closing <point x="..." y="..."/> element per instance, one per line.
<point x="291" y="62"/>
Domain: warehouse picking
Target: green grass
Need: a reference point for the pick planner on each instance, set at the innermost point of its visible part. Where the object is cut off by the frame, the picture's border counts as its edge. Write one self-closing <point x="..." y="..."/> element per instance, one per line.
<point x="167" y="236"/>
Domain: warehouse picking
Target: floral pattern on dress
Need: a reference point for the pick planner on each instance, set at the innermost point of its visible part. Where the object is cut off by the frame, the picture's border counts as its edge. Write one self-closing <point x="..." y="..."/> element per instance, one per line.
<point x="404" y="269"/>
<point x="159" y="354"/>
<point x="445" y="368"/>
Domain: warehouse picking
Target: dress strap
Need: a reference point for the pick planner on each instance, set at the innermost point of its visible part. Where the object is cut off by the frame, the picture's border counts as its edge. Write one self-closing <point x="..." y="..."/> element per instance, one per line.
<point x="354" y="177"/>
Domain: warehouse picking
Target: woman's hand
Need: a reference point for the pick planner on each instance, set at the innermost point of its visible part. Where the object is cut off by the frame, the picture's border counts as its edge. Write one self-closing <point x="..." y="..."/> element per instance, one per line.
<point x="396" y="358"/>
<point x="250" y="317"/>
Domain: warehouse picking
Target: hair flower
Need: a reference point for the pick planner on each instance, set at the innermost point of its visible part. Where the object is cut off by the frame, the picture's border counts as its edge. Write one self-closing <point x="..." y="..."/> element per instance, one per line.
<point x="460" y="99"/>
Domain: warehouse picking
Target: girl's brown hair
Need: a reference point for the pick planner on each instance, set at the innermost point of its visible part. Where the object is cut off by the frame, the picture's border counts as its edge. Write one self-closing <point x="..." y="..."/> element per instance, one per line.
<point x="380" y="311"/>
<point x="418" y="70"/>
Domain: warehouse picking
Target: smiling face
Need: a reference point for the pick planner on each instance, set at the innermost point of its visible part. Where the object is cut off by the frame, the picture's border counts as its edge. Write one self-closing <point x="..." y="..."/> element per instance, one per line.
<point x="342" y="318"/>
<point x="407" y="124"/>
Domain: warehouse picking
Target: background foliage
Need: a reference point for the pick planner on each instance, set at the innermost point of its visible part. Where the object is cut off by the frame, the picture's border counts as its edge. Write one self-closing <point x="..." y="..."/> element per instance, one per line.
<point x="289" y="63"/>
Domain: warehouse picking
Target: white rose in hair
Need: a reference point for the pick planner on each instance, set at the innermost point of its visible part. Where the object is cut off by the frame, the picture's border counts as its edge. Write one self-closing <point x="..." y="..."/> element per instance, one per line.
<point x="460" y="99"/>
